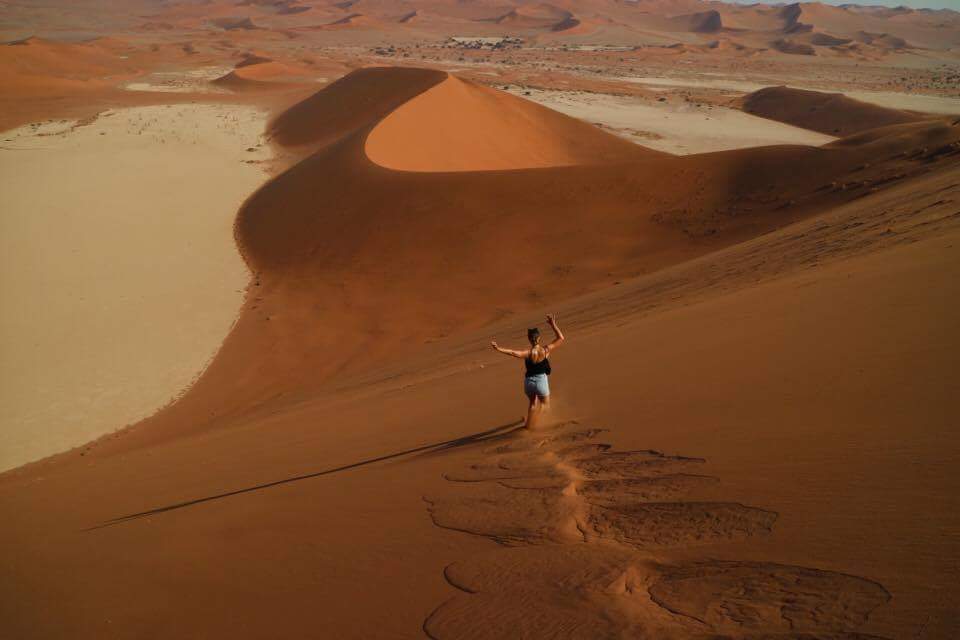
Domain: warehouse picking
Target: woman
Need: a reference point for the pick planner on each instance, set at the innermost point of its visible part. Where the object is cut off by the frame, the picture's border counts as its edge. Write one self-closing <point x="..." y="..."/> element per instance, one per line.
<point x="535" y="383"/>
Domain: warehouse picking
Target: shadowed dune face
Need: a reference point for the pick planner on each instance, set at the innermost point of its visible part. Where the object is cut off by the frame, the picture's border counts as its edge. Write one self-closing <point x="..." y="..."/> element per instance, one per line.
<point x="357" y="100"/>
<point x="831" y="113"/>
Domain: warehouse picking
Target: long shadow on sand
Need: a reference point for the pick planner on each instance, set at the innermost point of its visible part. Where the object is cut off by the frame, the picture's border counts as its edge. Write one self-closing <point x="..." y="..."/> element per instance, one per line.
<point x="487" y="436"/>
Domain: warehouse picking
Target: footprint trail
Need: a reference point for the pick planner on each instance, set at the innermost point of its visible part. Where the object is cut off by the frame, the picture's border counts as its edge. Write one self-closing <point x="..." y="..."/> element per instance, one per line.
<point x="583" y="530"/>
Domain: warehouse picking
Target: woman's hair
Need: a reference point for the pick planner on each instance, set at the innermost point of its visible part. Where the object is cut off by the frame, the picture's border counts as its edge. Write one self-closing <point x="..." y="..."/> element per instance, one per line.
<point x="537" y="352"/>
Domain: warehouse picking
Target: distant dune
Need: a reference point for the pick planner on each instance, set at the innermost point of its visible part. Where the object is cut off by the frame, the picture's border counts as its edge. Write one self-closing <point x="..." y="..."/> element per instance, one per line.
<point x="255" y="72"/>
<point x="793" y="47"/>
<point x="622" y="23"/>
<point x="352" y="21"/>
<point x="231" y="24"/>
<point x="830" y="113"/>
<point x="705" y="22"/>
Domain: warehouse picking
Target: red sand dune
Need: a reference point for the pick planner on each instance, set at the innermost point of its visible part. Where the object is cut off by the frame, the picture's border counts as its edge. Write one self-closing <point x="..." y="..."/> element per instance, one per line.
<point x="35" y="69"/>
<point x="505" y="132"/>
<point x="324" y="460"/>
<point x="383" y="219"/>
<point x="758" y="24"/>
<point x="38" y="58"/>
<point x="543" y="16"/>
<point x="348" y="104"/>
<point x="620" y="22"/>
<point x="352" y="21"/>
<point x="830" y="113"/>
<point x="255" y="72"/>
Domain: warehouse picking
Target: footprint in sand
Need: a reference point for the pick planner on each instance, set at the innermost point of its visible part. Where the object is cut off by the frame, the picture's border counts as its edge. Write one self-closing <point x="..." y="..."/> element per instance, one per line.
<point x="583" y="525"/>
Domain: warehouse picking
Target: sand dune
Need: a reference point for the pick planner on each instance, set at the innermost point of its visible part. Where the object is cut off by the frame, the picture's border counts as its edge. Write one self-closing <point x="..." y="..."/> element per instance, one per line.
<point x="351" y="21"/>
<point x="751" y="433"/>
<point x="232" y="23"/>
<point x="349" y="104"/>
<point x="35" y="65"/>
<point x="643" y="214"/>
<point x="425" y="134"/>
<point x="830" y="113"/>
<point x="258" y="73"/>
<point x="757" y="25"/>
<point x="731" y="522"/>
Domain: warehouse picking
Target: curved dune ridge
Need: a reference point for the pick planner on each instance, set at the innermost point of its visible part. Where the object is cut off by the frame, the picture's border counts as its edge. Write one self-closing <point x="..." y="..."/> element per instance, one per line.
<point x="830" y="113"/>
<point x="428" y="133"/>
<point x="255" y="72"/>
<point x="355" y="262"/>
<point x="358" y="99"/>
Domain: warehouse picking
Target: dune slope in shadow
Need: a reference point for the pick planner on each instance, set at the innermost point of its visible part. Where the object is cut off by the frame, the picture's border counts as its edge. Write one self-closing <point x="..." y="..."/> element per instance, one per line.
<point x="831" y="113"/>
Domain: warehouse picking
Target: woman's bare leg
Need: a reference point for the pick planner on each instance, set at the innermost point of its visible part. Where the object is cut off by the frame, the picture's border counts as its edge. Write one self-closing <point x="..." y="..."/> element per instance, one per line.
<point x="544" y="405"/>
<point x="532" y="412"/>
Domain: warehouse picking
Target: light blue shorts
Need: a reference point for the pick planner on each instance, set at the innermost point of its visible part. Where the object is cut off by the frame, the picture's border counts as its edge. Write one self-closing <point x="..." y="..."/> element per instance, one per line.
<point x="537" y="385"/>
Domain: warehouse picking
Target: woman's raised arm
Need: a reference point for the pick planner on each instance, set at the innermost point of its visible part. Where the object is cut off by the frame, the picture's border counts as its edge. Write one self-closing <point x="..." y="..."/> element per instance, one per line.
<point x="558" y="340"/>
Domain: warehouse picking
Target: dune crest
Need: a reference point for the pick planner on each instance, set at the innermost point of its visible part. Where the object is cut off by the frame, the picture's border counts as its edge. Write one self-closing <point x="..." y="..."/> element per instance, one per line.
<point x="429" y="133"/>
<point x="358" y="99"/>
<point x="830" y="113"/>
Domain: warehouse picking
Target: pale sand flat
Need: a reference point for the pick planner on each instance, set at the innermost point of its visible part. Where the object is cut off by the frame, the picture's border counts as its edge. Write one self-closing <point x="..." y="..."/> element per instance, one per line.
<point x="193" y="81"/>
<point x="910" y="101"/>
<point x="117" y="265"/>
<point x="681" y="129"/>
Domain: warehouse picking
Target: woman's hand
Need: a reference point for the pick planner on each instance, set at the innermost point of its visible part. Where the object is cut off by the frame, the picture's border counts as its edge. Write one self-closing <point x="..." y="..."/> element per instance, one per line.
<point x="495" y="346"/>
<point x="556" y="330"/>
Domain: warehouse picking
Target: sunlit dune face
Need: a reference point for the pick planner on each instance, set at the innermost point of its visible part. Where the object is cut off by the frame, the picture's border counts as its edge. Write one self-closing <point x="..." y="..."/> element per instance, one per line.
<point x="460" y="126"/>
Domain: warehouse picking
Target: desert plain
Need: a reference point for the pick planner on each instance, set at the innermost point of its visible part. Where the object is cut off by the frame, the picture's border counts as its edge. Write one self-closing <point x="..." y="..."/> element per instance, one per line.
<point x="254" y="254"/>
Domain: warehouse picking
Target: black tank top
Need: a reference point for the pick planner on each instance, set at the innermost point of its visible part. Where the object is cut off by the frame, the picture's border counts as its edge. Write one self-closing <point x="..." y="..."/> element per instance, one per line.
<point x="536" y="368"/>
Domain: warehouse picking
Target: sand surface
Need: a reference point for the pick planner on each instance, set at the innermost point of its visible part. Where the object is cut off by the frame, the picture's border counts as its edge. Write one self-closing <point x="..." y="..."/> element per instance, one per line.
<point x="117" y="246"/>
<point x="911" y="101"/>
<point x="752" y="429"/>
<point x="424" y="134"/>
<point x="892" y="99"/>
<point x="722" y="359"/>
<point x="193" y="81"/>
<point x="675" y="127"/>
<point x="730" y="84"/>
